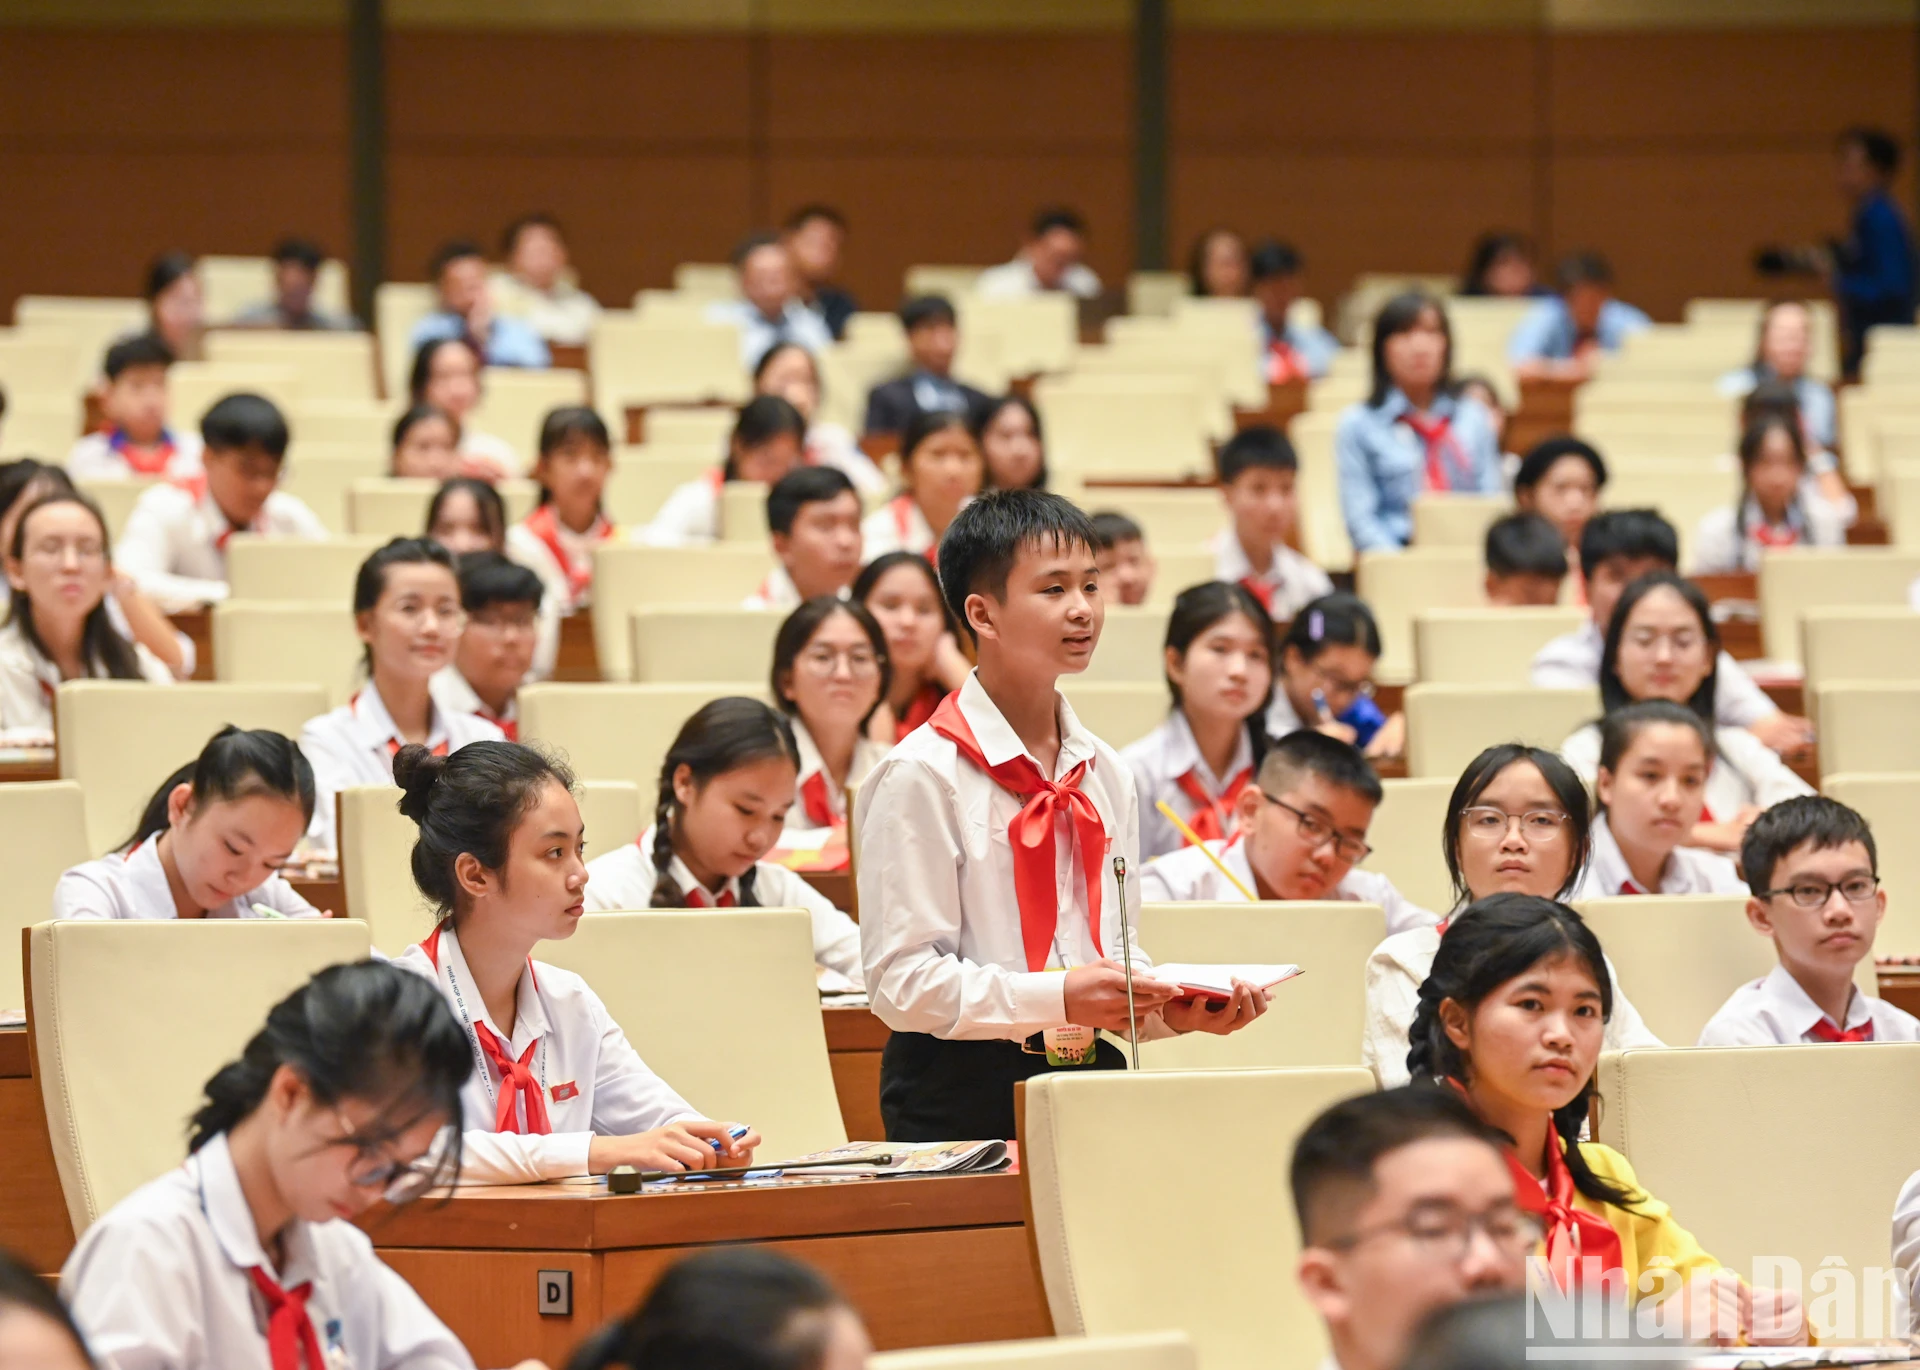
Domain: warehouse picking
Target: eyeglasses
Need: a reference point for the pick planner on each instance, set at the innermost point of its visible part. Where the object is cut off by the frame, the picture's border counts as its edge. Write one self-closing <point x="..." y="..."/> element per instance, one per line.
<point x="1339" y="687"/>
<point x="1318" y="833"/>
<point x="823" y="661"/>
<point x="1536" y="825"/>
<point x="1814" y="894"/>
<point x="83" y="552"/>
<point x="1445" y="1234"/>
<point x="399" y="1181"/>
<point x="413" y="615"/>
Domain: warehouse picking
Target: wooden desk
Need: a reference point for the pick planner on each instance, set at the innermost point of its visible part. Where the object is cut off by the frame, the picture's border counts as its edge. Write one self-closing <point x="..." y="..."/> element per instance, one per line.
<point x="33" y="1217"/>
<point x="836" y="887"/>
<point x="1546" y="408"/>
<point x="329" y="896"/>
<point x="197" y="624"/>
<point x="579" y="657"/>
<point x="1900" y="985"/>
<point x="45" y="767"/>
<point x="926" y="1261"/>
<point x="855" y="1039"/>
<point x="1283" y="402"/>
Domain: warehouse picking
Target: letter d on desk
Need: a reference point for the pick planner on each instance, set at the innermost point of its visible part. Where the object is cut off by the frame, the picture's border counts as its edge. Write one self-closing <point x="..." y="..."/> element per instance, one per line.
<point x="555" y="1296"/>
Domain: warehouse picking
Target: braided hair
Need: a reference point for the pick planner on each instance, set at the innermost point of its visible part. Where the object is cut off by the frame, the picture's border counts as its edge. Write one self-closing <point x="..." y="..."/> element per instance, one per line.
<point x="724" y="735"/>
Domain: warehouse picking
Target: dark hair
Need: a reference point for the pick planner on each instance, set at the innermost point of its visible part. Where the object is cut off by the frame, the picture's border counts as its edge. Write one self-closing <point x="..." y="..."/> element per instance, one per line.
<point x="984" y="420"/>
<point x="723" y="735"/>
<point x="1752" y="439"/>
<point x="815" y="210"/>
<point x="779" y="349"/>
<point x="1547" y="453"/>
<point x="1525" y="545"/>
<point x="468" y="803"/>
<point x="872" y="573"/>
<point x="493" y="510"/>
<point x="163" y="271"/>
<point x="142" y="349"/>
<point x="370" y="582"/>
<point x="18" y="476"/>
<point x="1197" y="256"/>
<point x="925" y="423"/>
<point x="1335" y="1155"/>
<point x="801" y="486"/>
<point x="729" y="1309"/>
<point x="986" y="537"/>
<point x="923" y="310"/>
<point x="236" y="763"/>
<point x="1306" y="751"/>
<point x="762" y="419"/>
<point x="23" y="1290"/>
<point x="1613" y="694"/>
<point x="1494" y="940"/>
<point x="510" y="236"/>
<point x="1333" y="620"/>
<point x="1804" y="820"/>
<point x="572" y="421"/>
<point x="101" y="643"/>
<point x="1881" y="149"/>
<point x="1258" y="445"/>
<point x="1271" y="258"/>
<point x="1401" y="314"/>
<point x="752" y="243"/>
<point x="1057" y="216"/>
<point x="1196" y="609"/>
<point x="1629" y="534"/>
<point x="797" y="630"/>
<point x="422" y="369"/>
<point x="1487" y="767"/>
<point x="1770" y="397"/>
<point x="456" y="250"/>
<point x="1620" y="726"/>
<point x="1110" y="529"/>
<point x="1583" y="267"/>
<point x="241" y="421"/>
<point x="420" y="413"/>
<point x="1489" y="248"/>
<point x="367" y="1030"/>
<point x="300" y="252"/>
<point x="489" y="578"/>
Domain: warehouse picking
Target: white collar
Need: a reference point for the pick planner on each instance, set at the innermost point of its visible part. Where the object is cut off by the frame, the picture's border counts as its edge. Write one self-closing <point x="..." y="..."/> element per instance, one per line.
<point x="999" y="743"/>
<point x="148" y="876"/>
<point x="1789" y="994"/>
<point x="1183" y="753"/>
<point x="370" y="712"/>
<point x="529" y="1013"/>
<point x="231" y="1220"/>
<point x="684" y="879"/>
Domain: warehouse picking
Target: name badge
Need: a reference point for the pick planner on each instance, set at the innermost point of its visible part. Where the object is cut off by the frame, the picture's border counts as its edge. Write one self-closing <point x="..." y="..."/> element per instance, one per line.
<point x="563" y="1092"/>
<point x="1070" y="1044"/>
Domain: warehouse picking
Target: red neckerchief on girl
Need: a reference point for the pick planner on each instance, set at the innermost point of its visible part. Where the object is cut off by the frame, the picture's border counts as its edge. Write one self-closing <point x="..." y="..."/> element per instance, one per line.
<point x="1446" y="463"/>
<point x="394" y="745"/>
<point x="544" y="524"/>
<point x="902" y="507"/>
<point x="697" y="898"/>
<point x="149" y="461"/>
<point x="1209" y="821"/>
<point x="1031" y="833"/>
<point x="509" y="726"/>
<point x="919" y="710"/>
<point x="1260" y="590"/>
<point x="516" y="1077"/>
<point x="817" y="803"/>
<point x="1825" y="1031"/>
<point x="1283" y="363"/>
<point x="291" y="1341"/>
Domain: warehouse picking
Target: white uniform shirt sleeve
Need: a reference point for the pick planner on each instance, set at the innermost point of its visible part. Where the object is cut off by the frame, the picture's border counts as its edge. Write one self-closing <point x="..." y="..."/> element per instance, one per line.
<point x="620" y="879"/>
<point x="83" y="892"/>
<point x="1626" y="1028"/>
<point x="1145" y="759"/>
<point x="1737" y="701"/>
<point x="1392" y="995"/>
<point x="689" y="518"/>
<point x="135" y="1300"/>
<point x="1717" y="548"/>
<point x="330" y="749"/>
<point x="836" y="937"/>
<point x="1770" y="778"/>
<point x="1563" y="664"/>
<point x="145" y="550"/>
<point x="1906" y="1236"/>
<point x="292" y="518"/>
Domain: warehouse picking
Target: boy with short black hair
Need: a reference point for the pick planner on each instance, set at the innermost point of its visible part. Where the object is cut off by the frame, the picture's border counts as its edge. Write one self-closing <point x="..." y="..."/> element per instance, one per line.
<point x="175" y="541"/>
<point x="1291" y="352"/>
<point x="1815" y="876"/>
<point x="1562" y="334"/>
<point x="933" y="340"/>
<point x="1120" y="551"/>
<point x="813" y="517"/>
<point x="1526" y="562"/>
<point x="501" y="599"/>
<point x="138" y="441"/>
<point x="989" y="839"/>
<point x="1258" y="471"/>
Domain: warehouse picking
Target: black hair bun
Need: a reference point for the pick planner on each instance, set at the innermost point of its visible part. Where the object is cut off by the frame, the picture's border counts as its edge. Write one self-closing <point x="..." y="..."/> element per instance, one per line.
<point x="416" y="770"/>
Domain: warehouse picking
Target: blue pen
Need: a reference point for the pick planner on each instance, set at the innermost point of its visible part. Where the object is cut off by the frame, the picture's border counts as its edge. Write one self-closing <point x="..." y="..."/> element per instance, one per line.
<point x="734" y="1133"/>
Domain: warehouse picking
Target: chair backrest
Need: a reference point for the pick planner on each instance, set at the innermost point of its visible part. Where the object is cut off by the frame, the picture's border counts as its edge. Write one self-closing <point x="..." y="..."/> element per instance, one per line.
<point x="1864" y="645"/>
<point x="1868" y="729"/>
<point x="43" y="834"/>
<point x="259" y="642"/>
<point x="763" y="1061"/>
<point x="364" y="424"/>
<point x="628" y="577"/>
<point x="1316" y="1019"/>
<point x="638" y="363"/>
<point x="287" y="569"/>
<point x="1132" y="647"/>
<point x="1169" y="518"/>
<point x="1140" y="1351"/>
<point x="118" y="1100"/>
<point x="1176" y="568"/>
<point x="1398" y="586"/>
<point x="1485" y="646"/>
<point x="376" y="845"/>
<point x="615" y="812"/>
<point x="1246" y="1311"/>
<point x="743" y="514"/>
<point x="389" y="507"/>
<point x="195" y="387"/>
<point x="1891" y="803"/>
<point x="1449" y="725"/>
<point x="515" y="402"/>
<point x="1118" y="712"/>
<point x="1709" y="1129"/>
<point x="644" y="478"/>
<point x="321" y="474"/>
<point x="337" y="366"/>
<point x="618" y="732"/>
<point x="116" y="498"/>
<point x="1405" y="836"/>
<point x="1456" y="520"/>
<point x="121" y="738"/>
<point x="398" y="306"/>
<point x="1803" y="578"/>
<point x="674" y="644"/>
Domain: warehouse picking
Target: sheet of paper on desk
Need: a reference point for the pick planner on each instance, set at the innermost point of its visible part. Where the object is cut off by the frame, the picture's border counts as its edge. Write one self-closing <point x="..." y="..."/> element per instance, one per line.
<point x="13" y="1017"/>
<point x="26" y="756"/>
<point x="1780" y="1357"/>
<point x="1217" y="981"/>
<point x="909" y="1158"/>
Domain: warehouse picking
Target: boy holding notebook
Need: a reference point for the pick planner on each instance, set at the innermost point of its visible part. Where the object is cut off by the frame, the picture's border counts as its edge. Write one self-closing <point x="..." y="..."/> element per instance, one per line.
<point x="990" y="924"/>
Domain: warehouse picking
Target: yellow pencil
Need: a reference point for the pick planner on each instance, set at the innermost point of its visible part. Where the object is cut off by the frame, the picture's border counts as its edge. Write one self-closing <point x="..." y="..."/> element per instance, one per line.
<point x="1192" y="837"/>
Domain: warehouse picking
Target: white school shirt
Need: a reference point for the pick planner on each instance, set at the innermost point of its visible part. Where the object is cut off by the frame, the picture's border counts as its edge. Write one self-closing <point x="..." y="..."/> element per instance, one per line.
<point x="175" y="542"/>
<point x="1906" y="1237"/>
<point x="94" y="457"/>
<point x="161" y="1283"/>
<point x="595" y="1082"/>
<point x="801" y="830"/>
<point x="353" y="745"/>
<point x="525" y="547"/>
<point x="1018" y="277"/>
<point x="777" y="591"/>
<point x="1187" y="877"/>
<point x="1745" y="771"/>
<point x="29" y="681"/>
<point x="624" y="879"/>
<point x="1689" y="870"/>
<point x="689" y="518"/>
<point x="1776" y="1011"/>
<point x="1292" y="582"/>
<point x="939" y="927"/>
<point x="490" y="457"/>
<point x="452" y="694"/>
<point x="1572" y="662"/>
<point x="1158" y="760"/>
<point x="133" y="884"/>
<point x="831" y="444"/>
<point x="1719" y="547"/>
<point x="1396" y="970"/>
<point x="896" y="526"/>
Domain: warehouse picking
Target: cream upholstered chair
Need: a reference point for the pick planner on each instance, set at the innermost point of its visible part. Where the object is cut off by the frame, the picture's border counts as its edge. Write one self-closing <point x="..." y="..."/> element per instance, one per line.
<point x="1247" y="1311"/>
<point x="1315" y="1019"/>
<point x="1405" y="836"/>
<point x="366" y="425"/>
<point x="1456" y="520"/>
<point x="1132" y="648"/>
<point x="743" y="514"/>
<point x="1711" y="1132"/>
<point x="707" y="425"/>
<point x="116" y="498"/>
<point x="376" y="847"/>
<point x="1449" y="725"/>
<point x="672" y="644"/>
<point x="1176" y="568"/>
<point x="514" y="402"/>
<point x="194" y="387"/>
<point x="1485" y="646"/>
<point x="43" y="833"/>
<point x="338" y="366"/>
<point x="628" y="577"/>
<point x="1117" y="712"/>
<point x="1037" y="332"/>
<point x="1868" y="729"/>
<point x="321" y="474"/>
<point x="121" y="738"/>
<point x="1138" y="1351"/>
<point x="1877" y="645"/>
<point x="398" y="306"/>
<point x="287" y="569"/>
<point x="614" y="813"/>
<point x="389" y="507"/>
<point x="618" y="732"/>
<point x="1169" y="518"/>
<point x="1123" y="425"/>
<point x="643" y="479"/>
<point x="1399" y="585"/>
<point x="128" y="1018"/>
<point x="1891" y="803"/>
<point x="763" y="1061"/>
<point x="269" y="642"/>
<point x="636" y="363"/>
<point x="1803" y="578"/>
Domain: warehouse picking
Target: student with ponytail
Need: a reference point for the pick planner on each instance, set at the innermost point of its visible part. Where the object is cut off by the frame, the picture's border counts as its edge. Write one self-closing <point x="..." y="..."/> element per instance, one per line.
<point x="211" y="841"/>
<point x="247" y="1254"/>
<point x="1512" y="1015"/>
<point x="830" y="673"/>
<point x="556" y="1089"/>
<point x="726" y="788"/>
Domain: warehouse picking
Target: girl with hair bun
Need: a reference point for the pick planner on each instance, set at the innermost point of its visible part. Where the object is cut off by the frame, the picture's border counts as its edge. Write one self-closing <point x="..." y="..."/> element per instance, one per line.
<point x="556" y="1089"/>
<point x="247" y="1254"/>
<point x="726" y="788"/>
<point x="211" y="841"/>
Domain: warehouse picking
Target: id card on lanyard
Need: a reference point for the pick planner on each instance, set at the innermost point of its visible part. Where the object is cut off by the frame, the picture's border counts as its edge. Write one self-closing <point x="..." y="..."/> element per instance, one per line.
<point x="483" y="1070"/>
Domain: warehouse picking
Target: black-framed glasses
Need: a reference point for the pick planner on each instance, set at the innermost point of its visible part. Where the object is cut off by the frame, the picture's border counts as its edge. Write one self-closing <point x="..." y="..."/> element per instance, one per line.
<point x="398" y="1181"/>
<point x="1444" y="1233"/>
<point x="1319" y="833"/>
<point x="1813" y="894"/>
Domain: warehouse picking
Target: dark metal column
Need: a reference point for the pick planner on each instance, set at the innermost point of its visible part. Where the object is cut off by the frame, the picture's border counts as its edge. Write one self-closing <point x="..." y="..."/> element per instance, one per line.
<point x="367" y="148"/>
<point x="1150" y="134"/>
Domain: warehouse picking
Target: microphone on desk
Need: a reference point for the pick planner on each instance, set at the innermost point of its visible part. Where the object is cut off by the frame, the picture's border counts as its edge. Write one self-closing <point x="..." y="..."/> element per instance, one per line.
<point x="1126" y="958"/>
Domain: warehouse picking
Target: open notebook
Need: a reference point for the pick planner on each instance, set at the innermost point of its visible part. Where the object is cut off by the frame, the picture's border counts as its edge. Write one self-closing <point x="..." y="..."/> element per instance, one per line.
<point x="1216" y="982"/>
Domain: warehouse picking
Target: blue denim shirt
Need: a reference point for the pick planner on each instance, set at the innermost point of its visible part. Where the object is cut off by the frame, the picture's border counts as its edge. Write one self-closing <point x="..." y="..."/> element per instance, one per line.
<point x="1314" y="346"/>
<point x="1383" y="465"/>
<point x="509" y="341"/>
<point x="1546" y="331"/>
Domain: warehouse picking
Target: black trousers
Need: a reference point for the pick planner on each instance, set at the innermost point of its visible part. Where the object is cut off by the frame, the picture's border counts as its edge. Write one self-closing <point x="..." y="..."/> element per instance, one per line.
<point x="936" y="1090"/>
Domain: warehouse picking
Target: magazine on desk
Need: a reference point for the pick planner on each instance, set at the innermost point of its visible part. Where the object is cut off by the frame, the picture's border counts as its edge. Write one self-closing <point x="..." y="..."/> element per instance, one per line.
<point x="908" y="1158"/>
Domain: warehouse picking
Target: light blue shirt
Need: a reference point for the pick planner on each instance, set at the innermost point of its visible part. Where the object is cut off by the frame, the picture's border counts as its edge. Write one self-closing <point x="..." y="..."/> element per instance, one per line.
<point x="1816" y="402"/>
<point x="1546" y="332"/>
<point x="1383" y="465"/>
<point x="1314" y="346"/>
<point x="798" y="324"/>
<point x="509" y="341"/>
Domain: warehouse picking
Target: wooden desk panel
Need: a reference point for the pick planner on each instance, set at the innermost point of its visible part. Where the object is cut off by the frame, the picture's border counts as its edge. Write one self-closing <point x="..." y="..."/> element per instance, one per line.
<point x="197" y="624"/>
<point x="26" y="770"/>
<point x="855" y="1039"/>
<point x="33" y="1213"/>
<point x="578" y="658"/>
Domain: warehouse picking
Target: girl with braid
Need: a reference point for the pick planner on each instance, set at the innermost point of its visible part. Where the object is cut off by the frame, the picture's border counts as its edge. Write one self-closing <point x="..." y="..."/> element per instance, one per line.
<point x="725" y="789"/>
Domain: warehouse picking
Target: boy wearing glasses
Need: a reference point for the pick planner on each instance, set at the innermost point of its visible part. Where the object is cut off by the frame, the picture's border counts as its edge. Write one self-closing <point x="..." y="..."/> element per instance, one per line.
<point x="1814" y="873"/>
<point x="501" y="599"/>
<point x="1301" y="832"/>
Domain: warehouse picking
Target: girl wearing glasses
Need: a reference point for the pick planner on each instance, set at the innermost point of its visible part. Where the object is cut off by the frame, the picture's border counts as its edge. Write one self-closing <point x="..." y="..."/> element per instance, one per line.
<point x="406" y="608"/>
<point x="1517" y="823"/>
<point x="247" y="1254"/>
<point x="726" y="787"/>
<point x="1662" y="643"/>
<point x="829" y="675"/>
<point x="1514" y="1015"/>
<point x="1654" y="760"/>
<point x="1325" y="680"/>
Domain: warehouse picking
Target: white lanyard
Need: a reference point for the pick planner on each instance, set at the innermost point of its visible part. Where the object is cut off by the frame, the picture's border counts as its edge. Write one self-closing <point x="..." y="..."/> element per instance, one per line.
<point x="479" y="1052"/>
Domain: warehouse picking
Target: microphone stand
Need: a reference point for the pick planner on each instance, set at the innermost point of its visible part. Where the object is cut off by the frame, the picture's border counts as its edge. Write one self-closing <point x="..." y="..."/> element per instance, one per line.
<point x="1126" y="958"/>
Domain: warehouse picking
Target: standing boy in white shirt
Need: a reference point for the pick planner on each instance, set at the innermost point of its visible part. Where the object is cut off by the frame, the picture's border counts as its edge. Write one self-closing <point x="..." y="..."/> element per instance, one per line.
<point x="987" y="843"/>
